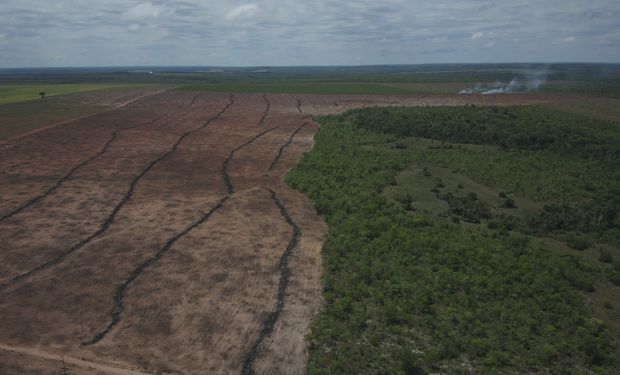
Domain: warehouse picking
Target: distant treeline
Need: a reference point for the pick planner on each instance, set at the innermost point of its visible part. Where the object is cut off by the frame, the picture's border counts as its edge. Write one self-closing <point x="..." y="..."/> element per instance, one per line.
<point x="375" y="73"/>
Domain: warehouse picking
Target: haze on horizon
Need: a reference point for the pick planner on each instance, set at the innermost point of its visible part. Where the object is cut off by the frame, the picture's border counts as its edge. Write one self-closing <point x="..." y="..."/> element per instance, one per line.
<point x="40" y="33"/>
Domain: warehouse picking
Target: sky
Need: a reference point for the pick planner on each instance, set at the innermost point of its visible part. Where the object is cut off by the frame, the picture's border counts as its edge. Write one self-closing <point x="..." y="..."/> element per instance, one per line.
<point x="42" y="33"/>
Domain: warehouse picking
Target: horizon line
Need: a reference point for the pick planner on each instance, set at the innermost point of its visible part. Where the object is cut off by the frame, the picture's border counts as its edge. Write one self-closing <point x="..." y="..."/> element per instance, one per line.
<point x="307" y="66"/>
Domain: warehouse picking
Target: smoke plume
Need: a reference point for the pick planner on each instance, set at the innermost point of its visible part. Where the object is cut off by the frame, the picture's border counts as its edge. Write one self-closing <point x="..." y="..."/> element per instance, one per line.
<point x="528" y="83"/>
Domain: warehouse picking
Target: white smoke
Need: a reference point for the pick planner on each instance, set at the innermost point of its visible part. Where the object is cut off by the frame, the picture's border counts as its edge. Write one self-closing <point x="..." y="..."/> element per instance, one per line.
<point x="532" y="82"/>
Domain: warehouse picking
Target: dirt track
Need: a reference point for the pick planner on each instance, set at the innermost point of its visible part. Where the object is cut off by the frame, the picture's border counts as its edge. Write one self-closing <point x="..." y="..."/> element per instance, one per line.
<point x="159" y="237"/>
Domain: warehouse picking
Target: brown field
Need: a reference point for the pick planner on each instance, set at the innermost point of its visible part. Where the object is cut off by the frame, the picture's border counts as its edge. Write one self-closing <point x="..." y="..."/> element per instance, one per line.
<point x="158" y="237"/>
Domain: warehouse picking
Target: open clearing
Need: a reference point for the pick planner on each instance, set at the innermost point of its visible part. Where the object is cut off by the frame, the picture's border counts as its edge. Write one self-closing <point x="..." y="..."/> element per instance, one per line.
<point x="158" y="237"/>
<point x="21" y="118"/>
<point x="20" y="93"/>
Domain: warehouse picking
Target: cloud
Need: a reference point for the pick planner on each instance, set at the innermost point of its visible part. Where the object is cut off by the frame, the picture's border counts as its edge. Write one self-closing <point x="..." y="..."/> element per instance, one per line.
<point x="147" y="10"/>
<point x="241" y="12"/>
<point x="321" y="32"/>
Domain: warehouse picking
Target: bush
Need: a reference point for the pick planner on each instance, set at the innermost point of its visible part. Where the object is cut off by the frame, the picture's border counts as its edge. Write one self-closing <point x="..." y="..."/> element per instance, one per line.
<point x="605" y="256"/>
<point x="410" y="363"/>
<point x="577" y="243"/>
<point x="400" y="146"/>
<point x="509" y="203"/>
<point x="469" y="208"/>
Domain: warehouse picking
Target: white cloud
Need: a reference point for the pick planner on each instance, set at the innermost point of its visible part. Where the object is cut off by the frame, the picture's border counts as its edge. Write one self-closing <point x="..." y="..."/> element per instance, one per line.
<point x="242" y="12"/>
<point x="147" y="10"/>
<point x="238" y="32"/>
<point x="482" y="35"/>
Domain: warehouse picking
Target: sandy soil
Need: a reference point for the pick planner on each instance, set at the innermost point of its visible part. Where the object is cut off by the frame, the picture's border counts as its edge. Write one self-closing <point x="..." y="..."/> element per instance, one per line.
<point x="160" y="238"/>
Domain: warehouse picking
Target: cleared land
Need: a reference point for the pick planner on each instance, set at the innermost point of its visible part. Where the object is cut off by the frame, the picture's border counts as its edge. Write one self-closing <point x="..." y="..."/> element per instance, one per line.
<point x="158" y="237"/>
<point x="326" y="88"/>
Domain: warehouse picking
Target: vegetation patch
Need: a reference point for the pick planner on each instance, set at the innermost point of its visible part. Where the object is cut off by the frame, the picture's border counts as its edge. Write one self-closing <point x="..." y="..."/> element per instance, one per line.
<point x="24" y="92"/>
<point x="412" y="290"/>
<point x="20" y="118"/>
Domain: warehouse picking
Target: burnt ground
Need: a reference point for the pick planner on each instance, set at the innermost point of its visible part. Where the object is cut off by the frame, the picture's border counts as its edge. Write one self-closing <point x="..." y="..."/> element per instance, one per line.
<point x="159" y="237"/>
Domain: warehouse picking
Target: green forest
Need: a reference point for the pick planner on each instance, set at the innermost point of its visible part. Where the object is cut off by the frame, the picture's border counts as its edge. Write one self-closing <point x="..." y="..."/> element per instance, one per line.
<point x="466" y="239"/>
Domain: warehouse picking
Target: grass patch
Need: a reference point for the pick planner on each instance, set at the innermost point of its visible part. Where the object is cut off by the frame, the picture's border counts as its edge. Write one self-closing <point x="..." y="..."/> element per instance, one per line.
<point x="22" y="117"/>
<point x="600" y="88"/>
<point x="24" y="92"/>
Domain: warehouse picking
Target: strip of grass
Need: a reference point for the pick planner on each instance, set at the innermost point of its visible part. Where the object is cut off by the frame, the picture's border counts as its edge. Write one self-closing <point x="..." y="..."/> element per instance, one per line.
<point x="408" y="292"/>
<point x="308" y="88"/>
<point x="603" y="89"/>
<point x="20" y="93"/>
<point x="22" y="117"/>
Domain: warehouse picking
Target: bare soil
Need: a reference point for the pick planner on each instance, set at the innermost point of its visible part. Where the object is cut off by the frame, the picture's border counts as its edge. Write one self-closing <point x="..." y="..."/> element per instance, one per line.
<point x="158" y="237"/>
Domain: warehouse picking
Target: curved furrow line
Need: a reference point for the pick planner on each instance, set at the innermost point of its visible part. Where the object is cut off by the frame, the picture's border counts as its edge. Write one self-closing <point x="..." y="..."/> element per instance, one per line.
<point x="299" y="105"/>
<point x="68" y="175"/>
<point x="194" y="99"/>
<point x="285" y="274"/>
<point x="224" y="170"/>
<point x="290" y="140"/>
<point x="266" y="112"/>
<point x="117" y="311"/>
<point x="110" y="219"/>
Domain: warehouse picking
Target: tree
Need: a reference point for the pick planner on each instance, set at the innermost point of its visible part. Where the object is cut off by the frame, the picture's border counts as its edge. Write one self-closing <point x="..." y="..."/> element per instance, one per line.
<point x="42" y="94"/>
<point x="509" y="203"/>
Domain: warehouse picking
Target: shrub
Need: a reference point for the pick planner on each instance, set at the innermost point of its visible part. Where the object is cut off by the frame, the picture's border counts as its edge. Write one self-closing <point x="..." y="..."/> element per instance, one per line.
<point x="577" y="243"/>
<point x="605" y="256"/>
<point x="469" y="208"/>
<point x="509" y="203"/>
<point x="410" y="365"/>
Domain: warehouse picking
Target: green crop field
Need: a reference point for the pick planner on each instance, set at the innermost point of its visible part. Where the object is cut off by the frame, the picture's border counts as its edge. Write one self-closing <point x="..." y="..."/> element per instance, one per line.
<point x="23" y="92"/>
<point x="466" y="239"/>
